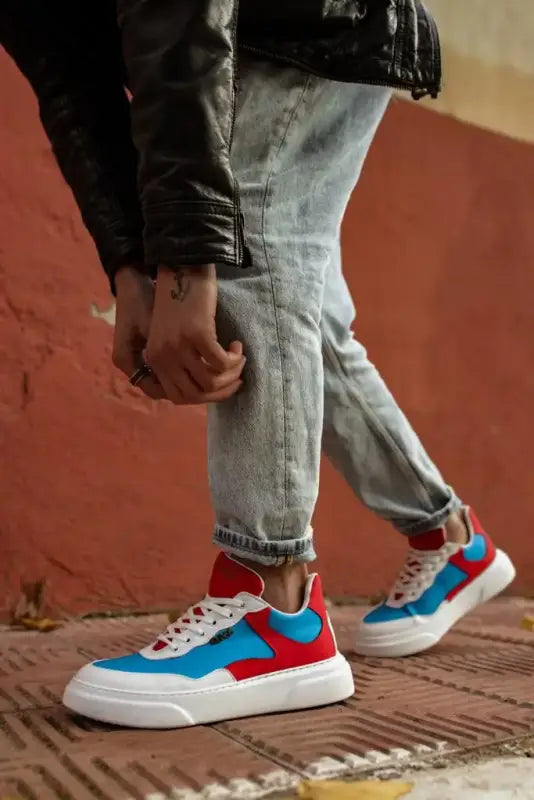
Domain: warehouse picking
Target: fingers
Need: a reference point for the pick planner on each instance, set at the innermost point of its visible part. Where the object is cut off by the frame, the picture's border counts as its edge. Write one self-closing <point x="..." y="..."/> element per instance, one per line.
<point x="195" y="369"/>
<point x="207" y="379"/>
<point x="189" y="391"/>
<point x="128" y="362"/>
<point x="152" y="388"/>
<point x="184" y="390"/>
<point x="216" y="356"/>
<point x="171" y="389"/>
<point x="187" y="380"/>
<point x="223" y="394"/>
<point x="236" y="347"/>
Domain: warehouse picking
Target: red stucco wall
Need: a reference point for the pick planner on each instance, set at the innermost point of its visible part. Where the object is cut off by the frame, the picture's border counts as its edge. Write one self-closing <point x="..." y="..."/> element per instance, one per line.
<point x="105" y="494"/>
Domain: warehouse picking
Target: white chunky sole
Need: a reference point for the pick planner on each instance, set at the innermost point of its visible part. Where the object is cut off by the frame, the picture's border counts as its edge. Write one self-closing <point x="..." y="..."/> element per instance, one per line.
<point x="406" y="637"/>
<point x="317" y="684"/>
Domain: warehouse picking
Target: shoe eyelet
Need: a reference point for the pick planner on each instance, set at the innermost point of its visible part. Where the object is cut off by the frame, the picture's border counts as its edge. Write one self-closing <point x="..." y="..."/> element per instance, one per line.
<point x="242" y="605"/>
<point x="231" y="615"/>
<point x="188" y="640"/>
<point x="214" y="622"/>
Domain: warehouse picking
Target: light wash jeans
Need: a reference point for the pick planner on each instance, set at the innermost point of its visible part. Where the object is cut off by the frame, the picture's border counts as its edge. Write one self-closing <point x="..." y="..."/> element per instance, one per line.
<point x="299" y="145"/>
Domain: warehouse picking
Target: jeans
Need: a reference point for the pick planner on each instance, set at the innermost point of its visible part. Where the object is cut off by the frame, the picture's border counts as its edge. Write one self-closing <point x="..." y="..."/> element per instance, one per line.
<point x="299" y="145"/>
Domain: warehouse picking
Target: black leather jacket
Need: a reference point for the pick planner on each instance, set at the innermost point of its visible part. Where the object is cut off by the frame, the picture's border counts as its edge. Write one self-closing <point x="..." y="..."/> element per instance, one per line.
<point x="153" y="179"/>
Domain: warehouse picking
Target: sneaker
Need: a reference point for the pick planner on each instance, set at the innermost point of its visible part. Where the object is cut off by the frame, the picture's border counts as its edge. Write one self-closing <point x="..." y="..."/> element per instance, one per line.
<point x="232" y="655"/>
<point x="439" y="583"/>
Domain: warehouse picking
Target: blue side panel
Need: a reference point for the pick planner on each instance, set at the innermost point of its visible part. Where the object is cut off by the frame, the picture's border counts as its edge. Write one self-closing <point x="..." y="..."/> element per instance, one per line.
<point x="477" y="549"/>
<point x="304" y="627"/>
<point x="448" y="579"/>
<point x="241" y="644"/>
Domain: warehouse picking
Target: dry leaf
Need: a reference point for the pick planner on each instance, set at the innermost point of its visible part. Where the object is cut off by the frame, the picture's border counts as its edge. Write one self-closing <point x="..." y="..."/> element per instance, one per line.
<point x="527" y="623"/>
<point x="31" y="600"/>
<point x="42" y="624"/>
<point x="359" y="790"/>
<point x="29" y="611"/>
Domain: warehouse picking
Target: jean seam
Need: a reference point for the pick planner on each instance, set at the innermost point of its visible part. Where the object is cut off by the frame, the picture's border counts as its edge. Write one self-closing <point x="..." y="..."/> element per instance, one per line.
<point x="273" y="292"/>
<point x="379" y="429"/>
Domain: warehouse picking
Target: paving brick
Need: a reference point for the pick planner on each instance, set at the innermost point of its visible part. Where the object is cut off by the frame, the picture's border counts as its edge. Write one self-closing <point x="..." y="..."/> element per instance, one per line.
<point x="473" y="689"/>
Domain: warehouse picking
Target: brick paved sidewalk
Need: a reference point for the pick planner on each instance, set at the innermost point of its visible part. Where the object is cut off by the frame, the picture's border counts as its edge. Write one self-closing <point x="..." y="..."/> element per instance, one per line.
<point x="474" y="689"/>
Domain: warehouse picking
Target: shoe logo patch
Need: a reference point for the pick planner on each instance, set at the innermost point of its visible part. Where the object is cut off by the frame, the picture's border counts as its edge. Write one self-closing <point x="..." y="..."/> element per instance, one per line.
<point x="221" y="636"/>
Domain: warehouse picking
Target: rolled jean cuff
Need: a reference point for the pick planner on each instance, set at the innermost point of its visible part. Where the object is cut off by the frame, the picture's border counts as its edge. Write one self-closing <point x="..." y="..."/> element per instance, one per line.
<point x="433" y="520"/>
<point x="270" y="553"/>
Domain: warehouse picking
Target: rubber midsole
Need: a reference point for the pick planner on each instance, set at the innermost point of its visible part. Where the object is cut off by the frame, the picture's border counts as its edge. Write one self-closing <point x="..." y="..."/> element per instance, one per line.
<point x="316" y="684"/>
<point x="422" y="632"/>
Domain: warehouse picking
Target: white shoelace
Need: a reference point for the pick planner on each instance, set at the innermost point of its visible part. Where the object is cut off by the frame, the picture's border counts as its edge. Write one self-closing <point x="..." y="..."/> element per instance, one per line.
<point x="197" y="618"/>
<point x="418" y="573"/>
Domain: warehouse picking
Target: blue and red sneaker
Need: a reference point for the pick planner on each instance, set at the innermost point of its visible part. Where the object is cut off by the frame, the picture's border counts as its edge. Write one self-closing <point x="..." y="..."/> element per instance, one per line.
<point x="439" y="583"/>
<point x="231" y="655"/>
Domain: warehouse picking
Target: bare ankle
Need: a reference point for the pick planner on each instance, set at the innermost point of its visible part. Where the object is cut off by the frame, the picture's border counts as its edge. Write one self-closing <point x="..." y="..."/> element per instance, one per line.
<point x="456" y="528"/>
<point x="284" y="585"/>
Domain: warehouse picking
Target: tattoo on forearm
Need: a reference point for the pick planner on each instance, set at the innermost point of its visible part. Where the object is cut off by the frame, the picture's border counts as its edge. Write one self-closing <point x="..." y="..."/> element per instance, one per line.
<point x="182" y="285"/>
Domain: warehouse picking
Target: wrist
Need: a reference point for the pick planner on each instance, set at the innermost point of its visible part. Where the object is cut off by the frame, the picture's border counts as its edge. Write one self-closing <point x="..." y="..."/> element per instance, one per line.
<point x="129" y="275"/>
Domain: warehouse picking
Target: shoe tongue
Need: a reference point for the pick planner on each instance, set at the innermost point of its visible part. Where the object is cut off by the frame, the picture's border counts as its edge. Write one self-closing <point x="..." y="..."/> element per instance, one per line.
<point x="230" y="577"/>
<point x="431" y="540"/>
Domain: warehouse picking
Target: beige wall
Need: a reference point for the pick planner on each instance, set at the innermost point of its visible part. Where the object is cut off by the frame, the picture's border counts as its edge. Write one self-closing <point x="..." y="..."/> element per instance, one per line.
<point x="488" y="52"/>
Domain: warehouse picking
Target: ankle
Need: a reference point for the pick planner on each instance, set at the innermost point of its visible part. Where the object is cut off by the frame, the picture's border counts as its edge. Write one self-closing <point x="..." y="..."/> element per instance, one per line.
<point x="284" y="585"/>
<point x="456" y="528"/>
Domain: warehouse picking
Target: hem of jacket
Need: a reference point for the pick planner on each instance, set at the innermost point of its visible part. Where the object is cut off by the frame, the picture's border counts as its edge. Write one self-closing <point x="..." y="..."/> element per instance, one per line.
<point x="196" y="259"/>
<point x="171" y="226"/>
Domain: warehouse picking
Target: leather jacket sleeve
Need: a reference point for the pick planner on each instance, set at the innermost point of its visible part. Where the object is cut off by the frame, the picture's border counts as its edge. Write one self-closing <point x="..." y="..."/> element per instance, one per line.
<point x="179" y="55"/>
<point x="72" y="60"/>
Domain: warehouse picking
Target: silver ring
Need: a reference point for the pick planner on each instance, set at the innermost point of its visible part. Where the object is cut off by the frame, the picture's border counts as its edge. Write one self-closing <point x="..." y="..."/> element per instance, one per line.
<point x="143" y="372"/>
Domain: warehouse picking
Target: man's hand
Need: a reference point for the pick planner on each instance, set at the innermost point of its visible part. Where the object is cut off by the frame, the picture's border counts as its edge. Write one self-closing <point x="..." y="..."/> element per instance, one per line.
<point x="182" y="349"/>
<point x="135" y="301"/>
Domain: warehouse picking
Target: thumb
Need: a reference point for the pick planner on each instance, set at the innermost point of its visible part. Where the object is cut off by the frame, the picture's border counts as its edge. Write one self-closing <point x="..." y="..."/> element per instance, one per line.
<point x="236" y="348"/>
